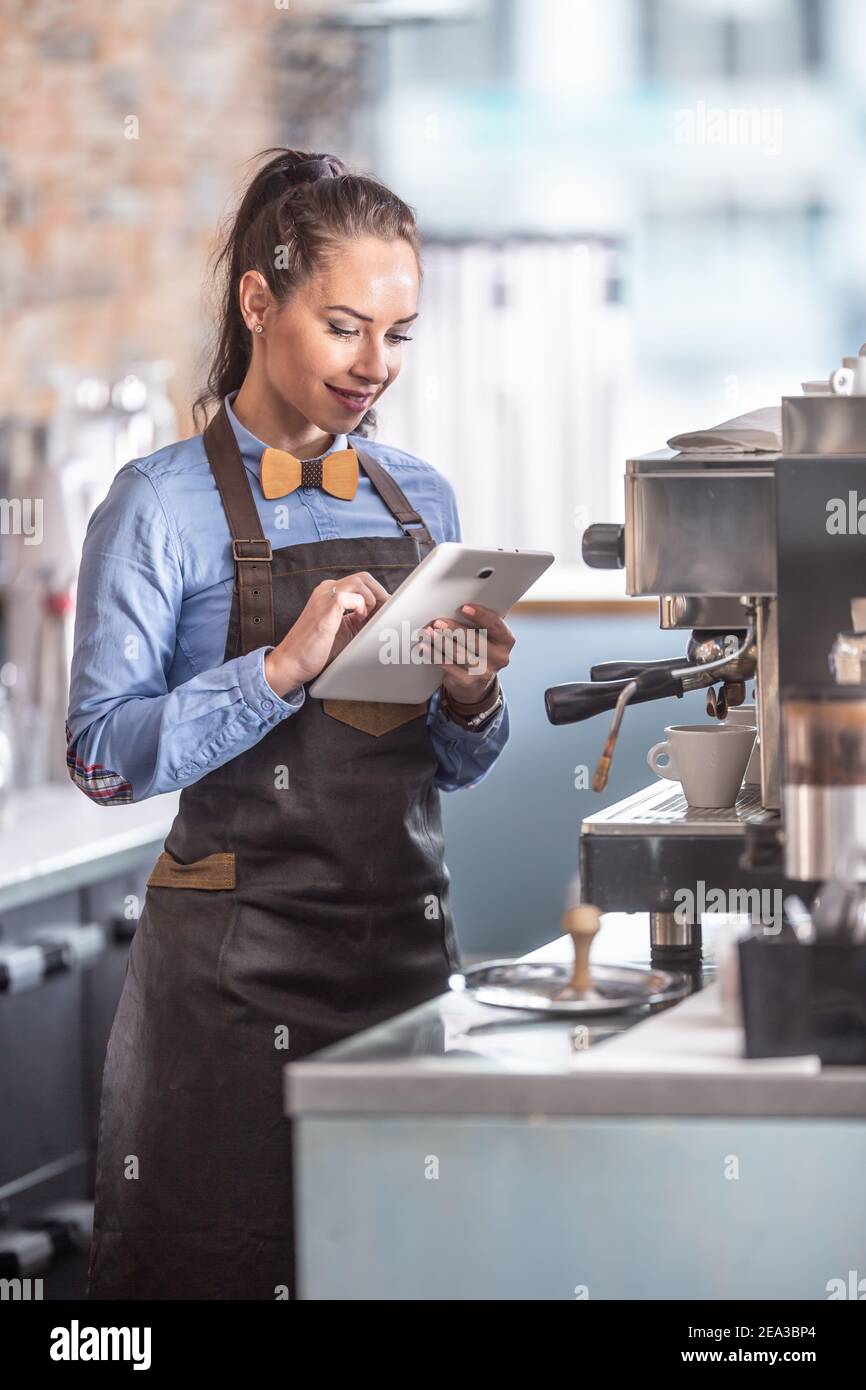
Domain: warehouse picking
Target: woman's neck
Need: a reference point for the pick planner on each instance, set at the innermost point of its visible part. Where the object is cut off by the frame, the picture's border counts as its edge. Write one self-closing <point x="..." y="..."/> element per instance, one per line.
<point x="278" y="425"/>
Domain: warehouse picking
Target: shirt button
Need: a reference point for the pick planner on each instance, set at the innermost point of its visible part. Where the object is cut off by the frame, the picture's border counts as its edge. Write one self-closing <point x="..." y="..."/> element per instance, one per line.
<point x="267" y="704"/>
<point x="308" y="489"/>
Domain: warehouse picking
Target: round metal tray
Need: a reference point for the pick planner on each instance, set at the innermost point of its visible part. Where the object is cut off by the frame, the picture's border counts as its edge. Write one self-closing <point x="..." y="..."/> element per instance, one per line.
<point x="534" y="985"/>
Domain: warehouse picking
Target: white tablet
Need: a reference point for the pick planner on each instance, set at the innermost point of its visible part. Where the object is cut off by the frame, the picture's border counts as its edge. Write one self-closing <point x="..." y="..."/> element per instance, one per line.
<point x="385" y="662"/>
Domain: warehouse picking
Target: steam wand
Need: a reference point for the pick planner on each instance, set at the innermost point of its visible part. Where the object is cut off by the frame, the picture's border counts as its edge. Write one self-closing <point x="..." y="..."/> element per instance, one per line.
<point x="599" y="781"/>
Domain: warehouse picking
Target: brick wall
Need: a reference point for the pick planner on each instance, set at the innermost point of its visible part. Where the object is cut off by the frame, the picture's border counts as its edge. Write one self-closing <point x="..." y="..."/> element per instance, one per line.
<point x="124" y="130"/>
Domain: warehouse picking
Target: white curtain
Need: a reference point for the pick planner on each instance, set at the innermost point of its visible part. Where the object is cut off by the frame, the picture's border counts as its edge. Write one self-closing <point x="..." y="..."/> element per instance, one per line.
<point x="508" y="389"/>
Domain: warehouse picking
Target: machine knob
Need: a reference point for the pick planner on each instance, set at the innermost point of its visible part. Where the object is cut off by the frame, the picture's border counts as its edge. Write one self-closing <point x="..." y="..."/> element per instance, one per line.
<point x="603" y="546"/>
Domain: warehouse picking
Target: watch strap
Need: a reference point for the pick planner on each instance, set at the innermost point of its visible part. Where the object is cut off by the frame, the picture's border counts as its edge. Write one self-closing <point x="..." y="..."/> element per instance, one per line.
<point x="461" y="712"/>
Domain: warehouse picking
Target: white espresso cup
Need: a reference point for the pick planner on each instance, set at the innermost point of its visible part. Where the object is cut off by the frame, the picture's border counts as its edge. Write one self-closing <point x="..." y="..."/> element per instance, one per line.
<point x="747" y="716"/>
<point x="707" y="759"/>
<point x="850" y="378"/>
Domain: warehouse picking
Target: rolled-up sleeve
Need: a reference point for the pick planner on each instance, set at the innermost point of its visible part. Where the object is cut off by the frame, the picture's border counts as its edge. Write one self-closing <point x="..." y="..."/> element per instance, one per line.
<point x="465" y="756"/>
<point x="128" y="736"/>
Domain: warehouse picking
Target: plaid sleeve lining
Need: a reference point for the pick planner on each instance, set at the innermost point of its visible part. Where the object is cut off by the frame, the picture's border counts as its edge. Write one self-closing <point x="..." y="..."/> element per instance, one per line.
<point x="99" y="783"/>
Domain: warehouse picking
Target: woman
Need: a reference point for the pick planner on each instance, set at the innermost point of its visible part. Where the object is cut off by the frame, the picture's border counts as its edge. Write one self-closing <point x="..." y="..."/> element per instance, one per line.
<point x="302" y="893"/>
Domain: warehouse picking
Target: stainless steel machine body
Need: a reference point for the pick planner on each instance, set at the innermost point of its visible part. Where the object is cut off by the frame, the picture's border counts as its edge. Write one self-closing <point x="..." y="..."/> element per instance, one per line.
<point x="764" y="550"/>
<point x="699" y="534"/>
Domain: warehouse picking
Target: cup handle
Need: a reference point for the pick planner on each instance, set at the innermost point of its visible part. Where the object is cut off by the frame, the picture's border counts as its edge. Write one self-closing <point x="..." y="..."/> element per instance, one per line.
<point x="664" y="770"/>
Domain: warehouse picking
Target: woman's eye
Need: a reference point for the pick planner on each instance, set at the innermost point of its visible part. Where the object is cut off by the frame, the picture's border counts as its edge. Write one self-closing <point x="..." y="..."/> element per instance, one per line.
<point x="353" y="333"/>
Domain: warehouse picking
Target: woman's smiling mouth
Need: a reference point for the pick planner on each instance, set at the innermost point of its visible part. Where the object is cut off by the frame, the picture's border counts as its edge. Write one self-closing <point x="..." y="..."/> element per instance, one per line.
<point x="354" y="400"/>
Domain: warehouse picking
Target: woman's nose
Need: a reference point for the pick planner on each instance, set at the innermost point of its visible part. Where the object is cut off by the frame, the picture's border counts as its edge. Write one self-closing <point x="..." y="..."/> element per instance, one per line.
<point x="371" y="363"/>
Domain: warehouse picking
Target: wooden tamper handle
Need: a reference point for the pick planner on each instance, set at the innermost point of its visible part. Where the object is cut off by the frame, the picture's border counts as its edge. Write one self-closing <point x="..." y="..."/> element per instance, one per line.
<point x="581" y="924"/>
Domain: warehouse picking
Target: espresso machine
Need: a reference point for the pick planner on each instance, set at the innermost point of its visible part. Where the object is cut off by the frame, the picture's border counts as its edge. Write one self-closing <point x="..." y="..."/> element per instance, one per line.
<point x="760" y="561"/>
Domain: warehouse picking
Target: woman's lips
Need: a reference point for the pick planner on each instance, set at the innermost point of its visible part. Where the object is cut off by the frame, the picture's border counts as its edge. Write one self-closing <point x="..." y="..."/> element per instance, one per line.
<point x="353" y="400"/>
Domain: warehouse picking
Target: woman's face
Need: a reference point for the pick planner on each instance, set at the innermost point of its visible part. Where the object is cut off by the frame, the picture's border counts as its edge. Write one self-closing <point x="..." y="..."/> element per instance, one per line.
<point x="332" y="349"/>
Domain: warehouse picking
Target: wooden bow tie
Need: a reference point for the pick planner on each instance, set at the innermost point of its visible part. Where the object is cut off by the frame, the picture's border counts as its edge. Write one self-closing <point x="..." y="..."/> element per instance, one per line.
<point x="337" y="473"/>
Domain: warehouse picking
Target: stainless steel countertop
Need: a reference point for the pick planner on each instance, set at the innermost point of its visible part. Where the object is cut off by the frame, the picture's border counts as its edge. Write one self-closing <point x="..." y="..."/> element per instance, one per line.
<point x="451" y="1056"/>
<point x="54" y="839"/>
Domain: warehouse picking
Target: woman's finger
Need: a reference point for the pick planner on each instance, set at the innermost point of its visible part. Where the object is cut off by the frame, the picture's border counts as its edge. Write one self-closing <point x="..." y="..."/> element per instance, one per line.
<point x="352" y="594"/>
<point x="469" y="657"/>
<point x="365" y="578"/>
<point x="496" y="628"/>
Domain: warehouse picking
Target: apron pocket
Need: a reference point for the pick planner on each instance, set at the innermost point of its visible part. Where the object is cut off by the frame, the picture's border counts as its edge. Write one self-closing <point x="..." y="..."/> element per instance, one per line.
<point x="215" y="871"/>
<point x="371" y="717"/>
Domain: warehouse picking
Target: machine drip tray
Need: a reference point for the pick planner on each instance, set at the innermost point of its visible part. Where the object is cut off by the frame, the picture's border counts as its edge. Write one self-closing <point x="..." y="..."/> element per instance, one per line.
<point x="662" y="809"/>
<point x="642" y="853"/>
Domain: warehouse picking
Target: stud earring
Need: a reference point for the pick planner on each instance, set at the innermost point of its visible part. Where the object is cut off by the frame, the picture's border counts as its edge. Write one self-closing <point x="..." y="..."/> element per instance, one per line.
<point x="259" y="328"/>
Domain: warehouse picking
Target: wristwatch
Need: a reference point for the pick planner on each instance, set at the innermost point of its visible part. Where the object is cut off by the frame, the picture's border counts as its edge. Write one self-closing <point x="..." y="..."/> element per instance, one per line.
<point x="473" y="716"/>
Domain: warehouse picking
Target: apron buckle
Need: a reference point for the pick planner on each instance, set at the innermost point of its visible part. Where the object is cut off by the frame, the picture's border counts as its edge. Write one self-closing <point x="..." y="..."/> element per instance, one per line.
<point x="251" y="540"/>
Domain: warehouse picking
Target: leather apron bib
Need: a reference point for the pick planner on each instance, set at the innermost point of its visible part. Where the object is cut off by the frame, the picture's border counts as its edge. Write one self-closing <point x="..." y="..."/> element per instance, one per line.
<point x="302" y="895"/>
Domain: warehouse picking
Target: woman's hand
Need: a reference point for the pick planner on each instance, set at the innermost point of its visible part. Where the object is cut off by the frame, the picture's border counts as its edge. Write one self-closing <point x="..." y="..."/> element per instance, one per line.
<point x="323" y="629"/>
<point x="466" y="682"/>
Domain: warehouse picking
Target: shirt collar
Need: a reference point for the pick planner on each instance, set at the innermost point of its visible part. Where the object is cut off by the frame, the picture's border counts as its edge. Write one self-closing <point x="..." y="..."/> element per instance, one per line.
<point x="252" y="448"/>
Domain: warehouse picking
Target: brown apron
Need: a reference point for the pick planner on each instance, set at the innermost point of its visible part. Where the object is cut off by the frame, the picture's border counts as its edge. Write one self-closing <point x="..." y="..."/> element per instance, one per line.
<point x="302" y="896"/>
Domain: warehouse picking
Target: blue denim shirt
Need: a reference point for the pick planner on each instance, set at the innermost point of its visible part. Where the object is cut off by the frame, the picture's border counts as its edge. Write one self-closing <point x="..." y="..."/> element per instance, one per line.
<point x="153" y="706"/>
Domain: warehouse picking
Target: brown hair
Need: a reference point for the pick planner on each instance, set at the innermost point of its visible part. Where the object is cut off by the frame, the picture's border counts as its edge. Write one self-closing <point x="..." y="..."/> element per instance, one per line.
<point x="302" y="205"/>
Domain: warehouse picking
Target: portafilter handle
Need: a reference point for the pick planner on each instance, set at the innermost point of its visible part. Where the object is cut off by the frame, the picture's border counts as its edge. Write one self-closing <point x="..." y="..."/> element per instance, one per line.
<point x="704" y="645"/>
<point x="627" y="670"/>
<point x="569" y="704"/>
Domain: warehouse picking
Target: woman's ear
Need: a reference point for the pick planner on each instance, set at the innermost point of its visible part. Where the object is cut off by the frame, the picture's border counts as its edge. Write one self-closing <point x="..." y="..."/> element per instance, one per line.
<point x="255" y="297"/>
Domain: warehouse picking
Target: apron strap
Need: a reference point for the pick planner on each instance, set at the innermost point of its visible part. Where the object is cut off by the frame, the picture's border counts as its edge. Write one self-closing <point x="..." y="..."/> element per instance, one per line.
<point x="393" y="496"/>
<point x="251" y="549"/>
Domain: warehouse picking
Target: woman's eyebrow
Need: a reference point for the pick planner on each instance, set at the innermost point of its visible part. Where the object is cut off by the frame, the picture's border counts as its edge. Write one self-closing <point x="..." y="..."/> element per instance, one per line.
<point x="366" y="317"/>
